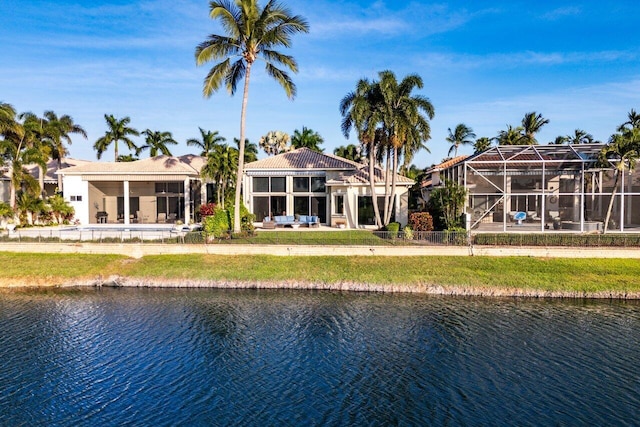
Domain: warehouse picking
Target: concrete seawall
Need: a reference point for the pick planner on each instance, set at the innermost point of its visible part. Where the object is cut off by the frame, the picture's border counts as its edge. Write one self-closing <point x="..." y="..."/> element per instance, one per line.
<point x="139" y="250"/>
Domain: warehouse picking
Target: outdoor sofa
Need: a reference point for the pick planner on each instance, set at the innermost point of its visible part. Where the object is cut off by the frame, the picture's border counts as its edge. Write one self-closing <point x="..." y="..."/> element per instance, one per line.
<point x="290" y="220"/>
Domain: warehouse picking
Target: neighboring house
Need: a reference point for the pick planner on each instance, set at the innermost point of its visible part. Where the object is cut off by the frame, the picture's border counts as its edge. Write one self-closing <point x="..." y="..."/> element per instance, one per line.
<point x="158" y="189"/>
<point x="556" y="187"/>
<point x="50" y="177"/>
<point x="305" y="182"/>
<point x="450" y="170"/>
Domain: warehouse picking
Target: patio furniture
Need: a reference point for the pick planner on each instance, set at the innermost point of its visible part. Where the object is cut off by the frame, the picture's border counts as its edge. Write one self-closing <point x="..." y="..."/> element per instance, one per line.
<point x="284" y="220"/>
<point x="309" y="220"/>
<point x="172" y="218"/>
<point x="267" y="223"/>
<point x="162" y="218"/>
<point x="519" y="217"/>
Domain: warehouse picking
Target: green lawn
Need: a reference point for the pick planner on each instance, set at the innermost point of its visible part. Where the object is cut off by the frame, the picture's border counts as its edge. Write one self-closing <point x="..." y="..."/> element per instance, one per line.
<point x="569" y="275"/>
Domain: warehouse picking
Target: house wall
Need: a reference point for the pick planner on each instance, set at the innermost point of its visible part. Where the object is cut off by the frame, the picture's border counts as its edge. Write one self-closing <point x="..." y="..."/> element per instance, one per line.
<point x="5" y="192"/>
<point x="75" y="188"/>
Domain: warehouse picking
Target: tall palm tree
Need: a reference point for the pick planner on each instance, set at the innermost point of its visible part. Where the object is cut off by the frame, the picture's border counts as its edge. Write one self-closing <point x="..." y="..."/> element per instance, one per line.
<point x="561" y="139"/>
<point x="118" y="131"/>
<point x="7" y="118"/>
<point x="156" y="142"/>
<point x="358" y="110"/>
<point x="38" y="135"/>
<point x="275" y="142"/>
<point x="531" y="124"/>
<point x="482" y="144"/>
<point x="511" y="136"/>
<point x="623" y="151"/>
<point x="209" y="140"/>
<point x="251" y="33"/>
<point x="580" y="137"/>
<point x="461" y="135"/>
<point x="350" y="152"/>
<point x="307" y="138"/>
<point x="405" y="122"/>
<point x="61" y="127"/>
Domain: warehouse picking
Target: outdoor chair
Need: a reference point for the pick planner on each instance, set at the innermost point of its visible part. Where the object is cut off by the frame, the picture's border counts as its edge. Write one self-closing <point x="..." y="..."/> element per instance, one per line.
<point x="162" y="218"/>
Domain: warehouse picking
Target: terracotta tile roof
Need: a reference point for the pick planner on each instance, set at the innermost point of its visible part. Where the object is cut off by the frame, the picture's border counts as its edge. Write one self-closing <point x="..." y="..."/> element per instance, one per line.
<point x="186" y="165"/>
<point x="448" y="163"/>
<point x="361" y="176"/>
<point x="303" y="158"/>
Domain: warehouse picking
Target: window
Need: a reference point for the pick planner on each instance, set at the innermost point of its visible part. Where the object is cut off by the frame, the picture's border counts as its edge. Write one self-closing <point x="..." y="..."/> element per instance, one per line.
<point x="317" y="184"/>
<point x="301" y="184"/>
<point x="339" y="204"/>
<point x="75" y="198"/>
<point x="260" y="184"/>
<point x="278" y="184"/>
<point x="301" y="205"/>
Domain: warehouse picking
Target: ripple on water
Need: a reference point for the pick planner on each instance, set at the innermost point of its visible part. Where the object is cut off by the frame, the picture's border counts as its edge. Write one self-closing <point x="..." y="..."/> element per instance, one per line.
<point x="183" y="357"/>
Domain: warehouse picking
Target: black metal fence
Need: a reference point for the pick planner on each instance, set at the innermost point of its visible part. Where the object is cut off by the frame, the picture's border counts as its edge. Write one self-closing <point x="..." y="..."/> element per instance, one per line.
<point x="325" y="238"/>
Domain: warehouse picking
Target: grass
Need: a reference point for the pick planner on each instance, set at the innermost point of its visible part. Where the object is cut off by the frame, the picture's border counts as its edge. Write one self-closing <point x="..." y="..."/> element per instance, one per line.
<point x="563" y="275"/>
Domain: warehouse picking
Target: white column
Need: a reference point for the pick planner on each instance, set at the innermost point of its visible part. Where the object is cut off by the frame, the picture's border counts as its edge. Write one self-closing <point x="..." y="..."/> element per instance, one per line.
<point x="126" y="202"/>
<point x="187" y="200"/>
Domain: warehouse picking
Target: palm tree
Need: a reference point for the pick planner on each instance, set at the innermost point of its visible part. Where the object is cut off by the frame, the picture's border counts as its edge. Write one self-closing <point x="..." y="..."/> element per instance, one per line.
<point x="350" y="152"/>
<point x="633" y="121"/>
<point x="307" y="138"/>
<point x="531" y="124"/>
<point x="275" y="142"/>
<point x="221" y="166"/>
<point x="7" y="118"/>
<point x="561" y="139"/>
<point x="358" y="110"/>
<point x="156" y="142"/>
<point x="61" y="127"/>
<point x="623" y="151"/>
<point x="250" y="150"/>
<point x="405" y="123"/>
<point x="251" y="33"/>
<point x="123" y="158"/>
<point x="580" y="137"/>
<point x="462" y="135"/>
<point x="482" y="144"/>
<point x="38" y="135"/>
<point x="511" y="136"/>
<point x="118" y="131"/>
<point x="207" y="142"/>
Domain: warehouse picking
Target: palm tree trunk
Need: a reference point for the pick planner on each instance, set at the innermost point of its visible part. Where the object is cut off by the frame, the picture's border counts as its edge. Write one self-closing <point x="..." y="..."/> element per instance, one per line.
<point x="372" y="185"/>
<point x="236" y="205"/>
<point x="115" y="146"/>
<point x="386" y="187"/>
<point x="41" y="181"/>
<point x="59" y="176"/>
<point x="610" y="208"/>
<point x="393" y="184"/>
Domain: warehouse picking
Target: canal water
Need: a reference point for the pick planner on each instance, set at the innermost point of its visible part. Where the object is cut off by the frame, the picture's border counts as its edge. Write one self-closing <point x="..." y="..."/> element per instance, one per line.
<point x="259" y="358"/>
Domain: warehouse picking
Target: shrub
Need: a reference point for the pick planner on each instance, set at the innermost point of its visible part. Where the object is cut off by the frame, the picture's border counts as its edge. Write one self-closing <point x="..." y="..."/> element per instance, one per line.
<point x="217" y="225"/>
<point x="393" y="228"/>
<point x="246" y="220"/>
<point x="408" y="233"/>
<point x="206" y="210"/>
<point x="421" y="221"/>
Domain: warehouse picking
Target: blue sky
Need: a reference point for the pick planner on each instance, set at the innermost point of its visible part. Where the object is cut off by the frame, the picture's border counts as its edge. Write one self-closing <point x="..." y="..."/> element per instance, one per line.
<point x="483" y="63"/>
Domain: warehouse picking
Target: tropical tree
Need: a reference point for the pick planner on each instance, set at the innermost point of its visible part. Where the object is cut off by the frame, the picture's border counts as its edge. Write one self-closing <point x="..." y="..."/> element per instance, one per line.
<point x="59" y="129"/>
<point x="22" y="144"/>
<point x="446" y="204"/>
<point x="7" y="118"/>
<point x="561" y="139"/>
<point x="623" y="152"/>
<point x="29" y="207"/>
<point x="123" y="158"/>
<point x="208" y="141"/>
<point x="580" y="137"/>
<point x="250" y="150"/>
<point x="482" y="144"/>
<point x="307" y="138"/>
<point x="633" y="121"/>
<point x="275" y="142"/>
<point x="531" y="125"/>
<point x="462" y="135"/>
<point x="221" y="167"/>
<point x="511" y="136"/>
<point x="118" y="131"/>
<point x="60" y="208"/>
<point x="350" y="152"/>
<point x="156" y="142"/>
<point x="393" y="121"/>
<point x="251" y="32"/>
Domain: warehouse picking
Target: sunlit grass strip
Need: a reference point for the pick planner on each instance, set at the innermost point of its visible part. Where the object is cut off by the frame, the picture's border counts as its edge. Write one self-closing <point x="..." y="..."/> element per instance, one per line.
<point x="576" y="275"/>
<point x="39" y="267"/>
<point x="547" y="275"/>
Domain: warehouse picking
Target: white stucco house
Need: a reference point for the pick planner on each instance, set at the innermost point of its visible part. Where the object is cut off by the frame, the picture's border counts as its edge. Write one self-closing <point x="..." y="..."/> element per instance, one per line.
<point x="305" y="182"/>
<point x="158" y="190"/>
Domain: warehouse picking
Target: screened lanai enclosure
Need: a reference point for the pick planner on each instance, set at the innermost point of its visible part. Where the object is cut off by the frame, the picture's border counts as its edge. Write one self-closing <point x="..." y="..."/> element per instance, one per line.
<point x="548" y="187"/>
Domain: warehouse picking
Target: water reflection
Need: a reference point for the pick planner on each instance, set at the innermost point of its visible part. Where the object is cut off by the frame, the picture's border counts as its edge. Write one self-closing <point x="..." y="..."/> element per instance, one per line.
<point x="171" y="357"/>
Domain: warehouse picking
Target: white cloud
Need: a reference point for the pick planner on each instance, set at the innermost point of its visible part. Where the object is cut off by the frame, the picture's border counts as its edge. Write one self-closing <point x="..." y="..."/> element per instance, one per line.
<point x="561" y="12"/>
